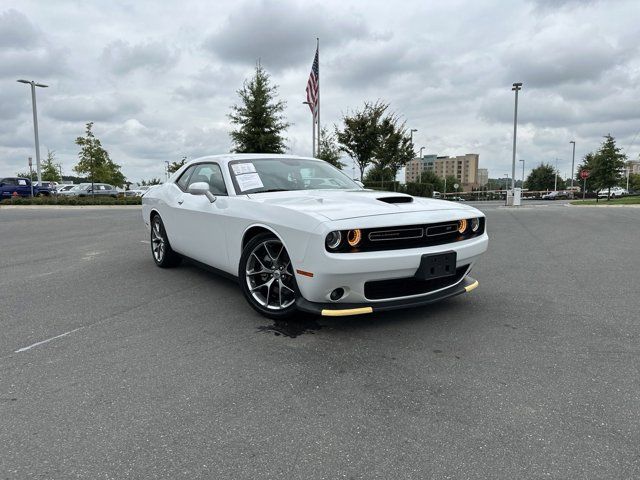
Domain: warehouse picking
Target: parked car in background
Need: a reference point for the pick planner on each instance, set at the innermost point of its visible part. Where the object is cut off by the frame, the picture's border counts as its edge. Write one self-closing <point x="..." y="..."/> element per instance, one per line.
<point x="616" y="192"/>
<point x="557" y="195"/>
<point x="85" y="189"/>
<point x="64" y="188"/>
<point x="12" y="186"/>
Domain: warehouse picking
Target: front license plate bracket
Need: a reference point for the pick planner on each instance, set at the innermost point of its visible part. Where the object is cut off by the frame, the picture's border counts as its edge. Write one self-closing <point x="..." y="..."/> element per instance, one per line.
<point x="437" y="265"/>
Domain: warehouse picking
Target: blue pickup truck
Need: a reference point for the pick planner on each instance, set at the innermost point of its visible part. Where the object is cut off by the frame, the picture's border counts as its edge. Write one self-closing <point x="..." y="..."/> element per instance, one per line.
<point x="11" y="186"/>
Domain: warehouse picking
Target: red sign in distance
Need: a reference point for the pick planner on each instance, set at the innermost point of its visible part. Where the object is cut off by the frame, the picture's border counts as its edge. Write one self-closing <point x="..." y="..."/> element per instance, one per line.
<point x="584" y="174"/>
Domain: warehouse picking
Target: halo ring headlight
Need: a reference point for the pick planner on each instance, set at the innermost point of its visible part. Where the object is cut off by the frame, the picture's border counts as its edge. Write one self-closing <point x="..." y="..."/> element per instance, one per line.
<point x="462" y="225"/>
<point x="333" y="240"/>
<point x="354" y="237"/>
<point x="475" y="224"/>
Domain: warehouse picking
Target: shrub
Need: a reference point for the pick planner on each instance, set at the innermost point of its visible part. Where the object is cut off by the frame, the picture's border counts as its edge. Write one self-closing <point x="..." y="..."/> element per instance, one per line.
<point x="73" y="201"/>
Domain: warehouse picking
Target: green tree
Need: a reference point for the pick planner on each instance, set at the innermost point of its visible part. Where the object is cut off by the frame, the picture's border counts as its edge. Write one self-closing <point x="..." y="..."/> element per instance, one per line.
<point x="634" y="181"/>
<point x="94" y="160"/>
<point x="175" y="166"/>
<point x="378" y="174"/>
<point x="259" y="117"/>
<point x="608" y="165"/>
<point x="429" y="177"/>
<point x="542" y="177"/>
<point x="153" y="181"/>
<point x="50" y="171"/>
<point x="329" y="150"/>
<point x="394" y="147"/>
<point x="33" y="176"/>
<point x="360" y="136"/>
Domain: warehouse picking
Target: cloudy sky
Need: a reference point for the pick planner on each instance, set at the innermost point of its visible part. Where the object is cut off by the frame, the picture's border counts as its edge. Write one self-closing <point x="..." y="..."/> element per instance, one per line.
<point x="157" y="78"/>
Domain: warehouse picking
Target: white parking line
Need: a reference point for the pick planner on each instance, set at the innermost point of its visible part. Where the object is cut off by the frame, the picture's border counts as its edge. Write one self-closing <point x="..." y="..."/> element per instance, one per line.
<point x="24" y="349"/>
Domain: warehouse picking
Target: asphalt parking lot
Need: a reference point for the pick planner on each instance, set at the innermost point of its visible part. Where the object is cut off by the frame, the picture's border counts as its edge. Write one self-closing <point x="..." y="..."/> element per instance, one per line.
<point x="155" y="373"/>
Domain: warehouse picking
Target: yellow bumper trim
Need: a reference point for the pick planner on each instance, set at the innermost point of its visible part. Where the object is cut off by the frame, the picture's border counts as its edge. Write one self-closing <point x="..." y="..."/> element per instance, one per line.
<point x="473" y="286"/>
<point x="345" y="312"/>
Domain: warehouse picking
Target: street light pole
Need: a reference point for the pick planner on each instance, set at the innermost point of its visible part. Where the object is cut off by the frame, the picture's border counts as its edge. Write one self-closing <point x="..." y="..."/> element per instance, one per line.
<point x="35" y="121"/>
<point x="522" y="160"/>
<point x="555" y="178"/>
<point x="313" y="133"/>
<point x="516" y="88"/>
<point x="420" y="166"/>
<point x="573" y="159"/>
<point x="411" y="132"/>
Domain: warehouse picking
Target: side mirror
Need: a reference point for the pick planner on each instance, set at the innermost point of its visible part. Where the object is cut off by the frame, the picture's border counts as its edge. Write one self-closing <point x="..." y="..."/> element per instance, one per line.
<point x="201" y="188"/>
<point x="359" y="183"/>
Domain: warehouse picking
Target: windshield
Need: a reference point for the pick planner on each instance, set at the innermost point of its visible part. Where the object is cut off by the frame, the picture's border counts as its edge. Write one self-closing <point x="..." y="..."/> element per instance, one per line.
<point x="286" y="174"/>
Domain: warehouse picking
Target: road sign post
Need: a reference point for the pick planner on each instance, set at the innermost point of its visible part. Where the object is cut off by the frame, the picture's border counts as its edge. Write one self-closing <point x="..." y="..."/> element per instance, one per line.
<point x="31" y="176"/>
<point x="584" y="174"/>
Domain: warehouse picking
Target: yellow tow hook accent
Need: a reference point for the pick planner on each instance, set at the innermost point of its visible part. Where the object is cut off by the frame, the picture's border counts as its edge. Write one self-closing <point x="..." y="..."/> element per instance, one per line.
<point x="345" y="312"/>
<point x="473" y="286"/>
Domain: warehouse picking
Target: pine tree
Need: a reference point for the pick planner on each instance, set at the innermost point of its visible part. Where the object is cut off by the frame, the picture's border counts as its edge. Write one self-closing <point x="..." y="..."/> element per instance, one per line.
<point x="608" y="165"/>
<point x="259" y="117"/>
<point x="50" y="171"/>
<point x="94" y="161"/>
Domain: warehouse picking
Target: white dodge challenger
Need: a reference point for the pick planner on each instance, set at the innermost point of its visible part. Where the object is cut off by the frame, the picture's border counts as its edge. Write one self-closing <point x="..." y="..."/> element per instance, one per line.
<point x="299" y="234"/>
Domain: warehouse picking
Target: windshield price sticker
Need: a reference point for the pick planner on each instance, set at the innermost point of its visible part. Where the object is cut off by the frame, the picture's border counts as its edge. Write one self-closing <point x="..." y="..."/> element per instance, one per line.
<point x="241" y="168"/>
<point x="249" y="181"/>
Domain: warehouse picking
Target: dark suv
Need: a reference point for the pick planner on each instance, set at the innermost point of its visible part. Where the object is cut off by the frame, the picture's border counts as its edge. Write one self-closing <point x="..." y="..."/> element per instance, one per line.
<point x="12" y="186"/>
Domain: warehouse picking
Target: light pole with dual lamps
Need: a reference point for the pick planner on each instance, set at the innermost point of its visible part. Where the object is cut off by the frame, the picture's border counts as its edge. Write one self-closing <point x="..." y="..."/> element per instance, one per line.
<point x="35" y="121"/>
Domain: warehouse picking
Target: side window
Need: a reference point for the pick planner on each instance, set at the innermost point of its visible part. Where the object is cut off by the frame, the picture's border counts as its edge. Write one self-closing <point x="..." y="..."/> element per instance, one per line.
<point x="211" y="174"/>
<point x="183" y="181"/>
<point x="22" y="182"/>
<point x="9" y="181"/>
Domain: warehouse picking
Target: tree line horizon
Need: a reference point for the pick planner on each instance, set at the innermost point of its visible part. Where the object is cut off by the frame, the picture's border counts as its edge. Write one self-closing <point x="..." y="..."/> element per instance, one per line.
<point x="374" y="137"/>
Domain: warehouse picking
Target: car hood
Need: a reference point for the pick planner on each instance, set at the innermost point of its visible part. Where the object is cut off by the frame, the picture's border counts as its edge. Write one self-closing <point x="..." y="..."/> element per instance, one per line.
<point x="345" y="204"/>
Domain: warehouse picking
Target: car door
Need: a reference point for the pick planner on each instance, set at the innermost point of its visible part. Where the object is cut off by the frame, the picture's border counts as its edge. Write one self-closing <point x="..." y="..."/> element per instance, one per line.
<point x="171" y="209"/>
<point x="201" y="224"/>
<point x="23" y="187"/>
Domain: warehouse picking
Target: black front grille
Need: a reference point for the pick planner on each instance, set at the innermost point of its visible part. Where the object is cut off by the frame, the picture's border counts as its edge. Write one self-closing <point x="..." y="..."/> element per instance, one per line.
<point x="409" y="236"/>
<point x="404" y="287"/>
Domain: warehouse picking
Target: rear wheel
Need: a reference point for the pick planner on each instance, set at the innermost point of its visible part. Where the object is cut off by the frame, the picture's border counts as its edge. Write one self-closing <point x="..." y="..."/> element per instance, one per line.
<point x="161" y="250"/>
<point x="266" y="277"/>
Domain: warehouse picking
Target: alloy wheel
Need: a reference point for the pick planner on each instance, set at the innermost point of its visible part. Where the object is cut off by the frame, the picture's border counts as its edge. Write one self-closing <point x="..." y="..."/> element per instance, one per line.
<point x="158" y="245"/>
<point x="269" y="275"/>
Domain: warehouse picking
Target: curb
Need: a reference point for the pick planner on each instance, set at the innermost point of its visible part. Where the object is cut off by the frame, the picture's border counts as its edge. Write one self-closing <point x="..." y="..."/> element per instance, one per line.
<point x="631" y="205"/>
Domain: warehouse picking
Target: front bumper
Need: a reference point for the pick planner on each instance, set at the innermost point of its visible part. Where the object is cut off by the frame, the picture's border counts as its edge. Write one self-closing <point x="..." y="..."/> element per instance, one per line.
<point x="346" y="309"/>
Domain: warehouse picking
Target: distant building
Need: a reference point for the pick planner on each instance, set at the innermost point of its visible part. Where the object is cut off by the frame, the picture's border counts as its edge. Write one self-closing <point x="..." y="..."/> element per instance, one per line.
<point x="463" y="167"/>
<point x="415" y="167"/>
<point x="483" y="177"/>
<point x="634" y="166"/>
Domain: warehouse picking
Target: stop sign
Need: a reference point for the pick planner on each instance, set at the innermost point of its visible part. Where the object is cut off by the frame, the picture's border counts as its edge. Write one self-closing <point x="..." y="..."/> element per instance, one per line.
<point x="584" y="174"/>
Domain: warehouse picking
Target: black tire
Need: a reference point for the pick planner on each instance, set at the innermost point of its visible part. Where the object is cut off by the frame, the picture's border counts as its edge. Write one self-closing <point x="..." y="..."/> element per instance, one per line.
<point x="271" y="291"/>
<point x="161" y="251"/>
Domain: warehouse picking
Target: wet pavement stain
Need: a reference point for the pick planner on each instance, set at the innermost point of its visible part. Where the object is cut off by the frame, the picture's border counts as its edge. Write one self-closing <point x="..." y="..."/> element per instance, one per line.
<point x="291" y="328"/>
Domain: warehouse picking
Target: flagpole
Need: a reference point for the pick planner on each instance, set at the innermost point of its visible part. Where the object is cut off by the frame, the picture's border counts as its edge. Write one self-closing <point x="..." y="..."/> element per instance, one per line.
<point x="318" y="49"/>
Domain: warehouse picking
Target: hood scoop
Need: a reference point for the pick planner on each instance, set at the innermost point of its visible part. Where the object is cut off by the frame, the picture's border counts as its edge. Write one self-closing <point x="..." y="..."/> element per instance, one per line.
<point x="396" y="199"/>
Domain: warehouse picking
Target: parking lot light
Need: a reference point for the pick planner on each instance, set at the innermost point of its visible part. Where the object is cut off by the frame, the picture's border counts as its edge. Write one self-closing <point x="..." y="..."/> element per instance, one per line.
<point x="35" y="121"/>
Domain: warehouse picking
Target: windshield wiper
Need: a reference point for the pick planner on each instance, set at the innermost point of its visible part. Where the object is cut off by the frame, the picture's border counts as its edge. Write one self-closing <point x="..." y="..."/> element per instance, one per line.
<point x="272" y="190"/>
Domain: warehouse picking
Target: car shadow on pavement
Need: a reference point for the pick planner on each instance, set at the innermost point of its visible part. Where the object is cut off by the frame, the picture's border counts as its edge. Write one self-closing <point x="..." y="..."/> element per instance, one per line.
<point x="306" y="323"/>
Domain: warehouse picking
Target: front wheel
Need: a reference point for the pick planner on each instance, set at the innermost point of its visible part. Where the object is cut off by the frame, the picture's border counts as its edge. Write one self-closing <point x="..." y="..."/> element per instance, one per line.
<point x="267" y="278"/>
<point x="163" y="254"/>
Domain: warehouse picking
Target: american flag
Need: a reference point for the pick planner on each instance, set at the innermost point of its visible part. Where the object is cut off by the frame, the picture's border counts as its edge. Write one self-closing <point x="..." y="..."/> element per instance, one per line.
<point x="313" y="86"/>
